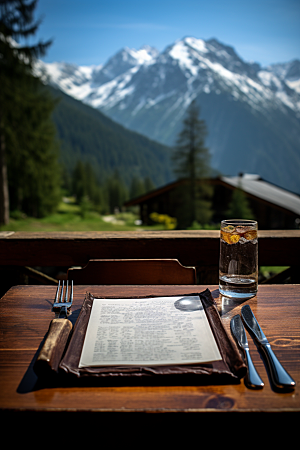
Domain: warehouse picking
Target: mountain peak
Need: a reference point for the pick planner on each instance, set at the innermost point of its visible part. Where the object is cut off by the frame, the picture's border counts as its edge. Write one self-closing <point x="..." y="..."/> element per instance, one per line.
<point x="124" y="60"/>
<point x="144" y="55"/>
<point x="197" y="44"/>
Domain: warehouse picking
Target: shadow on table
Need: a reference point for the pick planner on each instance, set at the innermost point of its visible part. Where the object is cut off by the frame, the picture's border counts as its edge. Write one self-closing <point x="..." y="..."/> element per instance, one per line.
<point x="30" y="381"/>
<point x="225" y="304"/>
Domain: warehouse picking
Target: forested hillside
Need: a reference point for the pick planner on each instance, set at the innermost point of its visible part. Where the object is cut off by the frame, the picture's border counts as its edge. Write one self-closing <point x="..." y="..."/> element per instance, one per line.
<point x="86" y="135"/>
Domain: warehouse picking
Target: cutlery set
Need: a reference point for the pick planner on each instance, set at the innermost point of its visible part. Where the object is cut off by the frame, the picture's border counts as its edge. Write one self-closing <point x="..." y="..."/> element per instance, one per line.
<point x="279" y="376"/>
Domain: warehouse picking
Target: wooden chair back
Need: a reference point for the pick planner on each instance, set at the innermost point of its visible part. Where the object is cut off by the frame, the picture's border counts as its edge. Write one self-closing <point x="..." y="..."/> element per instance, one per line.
<point x="133" y="272"/>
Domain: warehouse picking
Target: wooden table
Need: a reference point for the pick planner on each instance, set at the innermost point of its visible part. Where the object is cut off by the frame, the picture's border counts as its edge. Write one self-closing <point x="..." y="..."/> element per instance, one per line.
<point x="25" y="313"/>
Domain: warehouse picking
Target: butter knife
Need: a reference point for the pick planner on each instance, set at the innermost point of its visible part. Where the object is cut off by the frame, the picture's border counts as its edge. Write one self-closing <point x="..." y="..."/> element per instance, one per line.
<point x="253" y="380"/>
<point x="279" y="376"/>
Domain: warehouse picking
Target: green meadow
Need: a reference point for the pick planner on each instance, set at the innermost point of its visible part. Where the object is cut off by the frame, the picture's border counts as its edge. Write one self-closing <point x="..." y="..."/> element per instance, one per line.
<point x="72" y="217"/>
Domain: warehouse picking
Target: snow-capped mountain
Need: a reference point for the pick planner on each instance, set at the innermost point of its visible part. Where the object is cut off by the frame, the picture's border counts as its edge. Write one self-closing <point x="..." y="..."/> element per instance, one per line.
<point x="252" y="113"/>
<point x="81" y="82"/>
<point x="206" y="66"/>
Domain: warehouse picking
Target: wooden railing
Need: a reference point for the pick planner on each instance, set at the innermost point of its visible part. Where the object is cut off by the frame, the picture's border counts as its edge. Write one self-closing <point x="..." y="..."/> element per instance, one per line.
<point x="191" y="248"/>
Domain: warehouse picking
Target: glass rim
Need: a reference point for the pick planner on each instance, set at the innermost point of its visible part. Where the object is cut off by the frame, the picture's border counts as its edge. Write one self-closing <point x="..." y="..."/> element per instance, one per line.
<point x="239" y="221"/>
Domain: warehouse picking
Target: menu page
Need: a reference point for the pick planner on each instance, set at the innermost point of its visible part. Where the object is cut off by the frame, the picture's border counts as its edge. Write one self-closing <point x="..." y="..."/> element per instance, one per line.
<point x="148" y="332"/>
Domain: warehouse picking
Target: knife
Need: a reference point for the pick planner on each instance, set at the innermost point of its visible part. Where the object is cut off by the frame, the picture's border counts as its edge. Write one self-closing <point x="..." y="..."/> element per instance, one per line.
<point x="52" y="350"/>
<point x="253" y="380"/>
<point x="279" y="375"/>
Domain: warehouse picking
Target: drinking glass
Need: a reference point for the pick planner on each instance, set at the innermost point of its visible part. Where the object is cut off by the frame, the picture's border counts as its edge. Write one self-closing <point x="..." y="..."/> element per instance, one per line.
<point x="238" y="264"/>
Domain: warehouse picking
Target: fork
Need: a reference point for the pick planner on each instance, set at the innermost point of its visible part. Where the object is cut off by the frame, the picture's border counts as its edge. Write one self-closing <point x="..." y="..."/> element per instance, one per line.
<point x="63" y="305"/>
<point x="56" y="339"/>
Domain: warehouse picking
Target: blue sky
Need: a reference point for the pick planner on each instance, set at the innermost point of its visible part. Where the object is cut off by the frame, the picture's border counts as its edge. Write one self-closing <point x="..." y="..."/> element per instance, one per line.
<point x="88" y="32"/>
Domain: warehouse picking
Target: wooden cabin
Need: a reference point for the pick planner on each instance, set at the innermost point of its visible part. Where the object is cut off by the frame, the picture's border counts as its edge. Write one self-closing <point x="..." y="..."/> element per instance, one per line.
<point x="272" y="206"/>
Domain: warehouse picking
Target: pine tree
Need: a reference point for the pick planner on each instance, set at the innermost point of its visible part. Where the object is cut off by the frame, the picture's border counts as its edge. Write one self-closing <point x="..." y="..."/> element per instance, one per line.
<point x="149" y="185"/>
<point x="33" y="170"/>
<point x="28" y="156"/>
<point x="137" y="187"/>
<point x="191" y="162"/>
<point x="116" y="192"/>
<point x="86" y="187"/>
<point x="238" y="207"/>
<point x="79" y="188"/>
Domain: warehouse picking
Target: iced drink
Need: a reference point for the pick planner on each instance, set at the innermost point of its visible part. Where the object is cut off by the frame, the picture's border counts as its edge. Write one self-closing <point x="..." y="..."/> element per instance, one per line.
<point x="238" y="271"/>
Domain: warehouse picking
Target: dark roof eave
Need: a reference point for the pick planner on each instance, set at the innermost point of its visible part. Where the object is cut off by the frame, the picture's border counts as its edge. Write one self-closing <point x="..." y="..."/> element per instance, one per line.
<point x="143" y="198"/>
<point x="154" y="193"/>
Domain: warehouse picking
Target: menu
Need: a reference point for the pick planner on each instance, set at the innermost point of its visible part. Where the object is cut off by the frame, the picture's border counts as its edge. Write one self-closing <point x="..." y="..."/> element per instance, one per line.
<point x="148" y="332"/>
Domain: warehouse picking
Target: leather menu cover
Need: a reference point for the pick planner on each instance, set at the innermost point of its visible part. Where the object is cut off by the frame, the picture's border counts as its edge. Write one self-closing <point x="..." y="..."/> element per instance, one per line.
<point x="228" y="370"/>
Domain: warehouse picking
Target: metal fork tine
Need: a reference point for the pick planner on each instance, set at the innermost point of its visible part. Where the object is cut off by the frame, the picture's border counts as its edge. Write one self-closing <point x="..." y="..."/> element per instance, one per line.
<point x="61" y="292"/>
<point x="66" y="293"/>
<point x="57" y="292"/>
<point x="71" y="293"/>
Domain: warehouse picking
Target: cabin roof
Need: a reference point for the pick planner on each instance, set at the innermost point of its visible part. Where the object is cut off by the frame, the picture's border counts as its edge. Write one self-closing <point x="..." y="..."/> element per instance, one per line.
<point x="256" y="186"/>
<point x="252" y="184"/>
